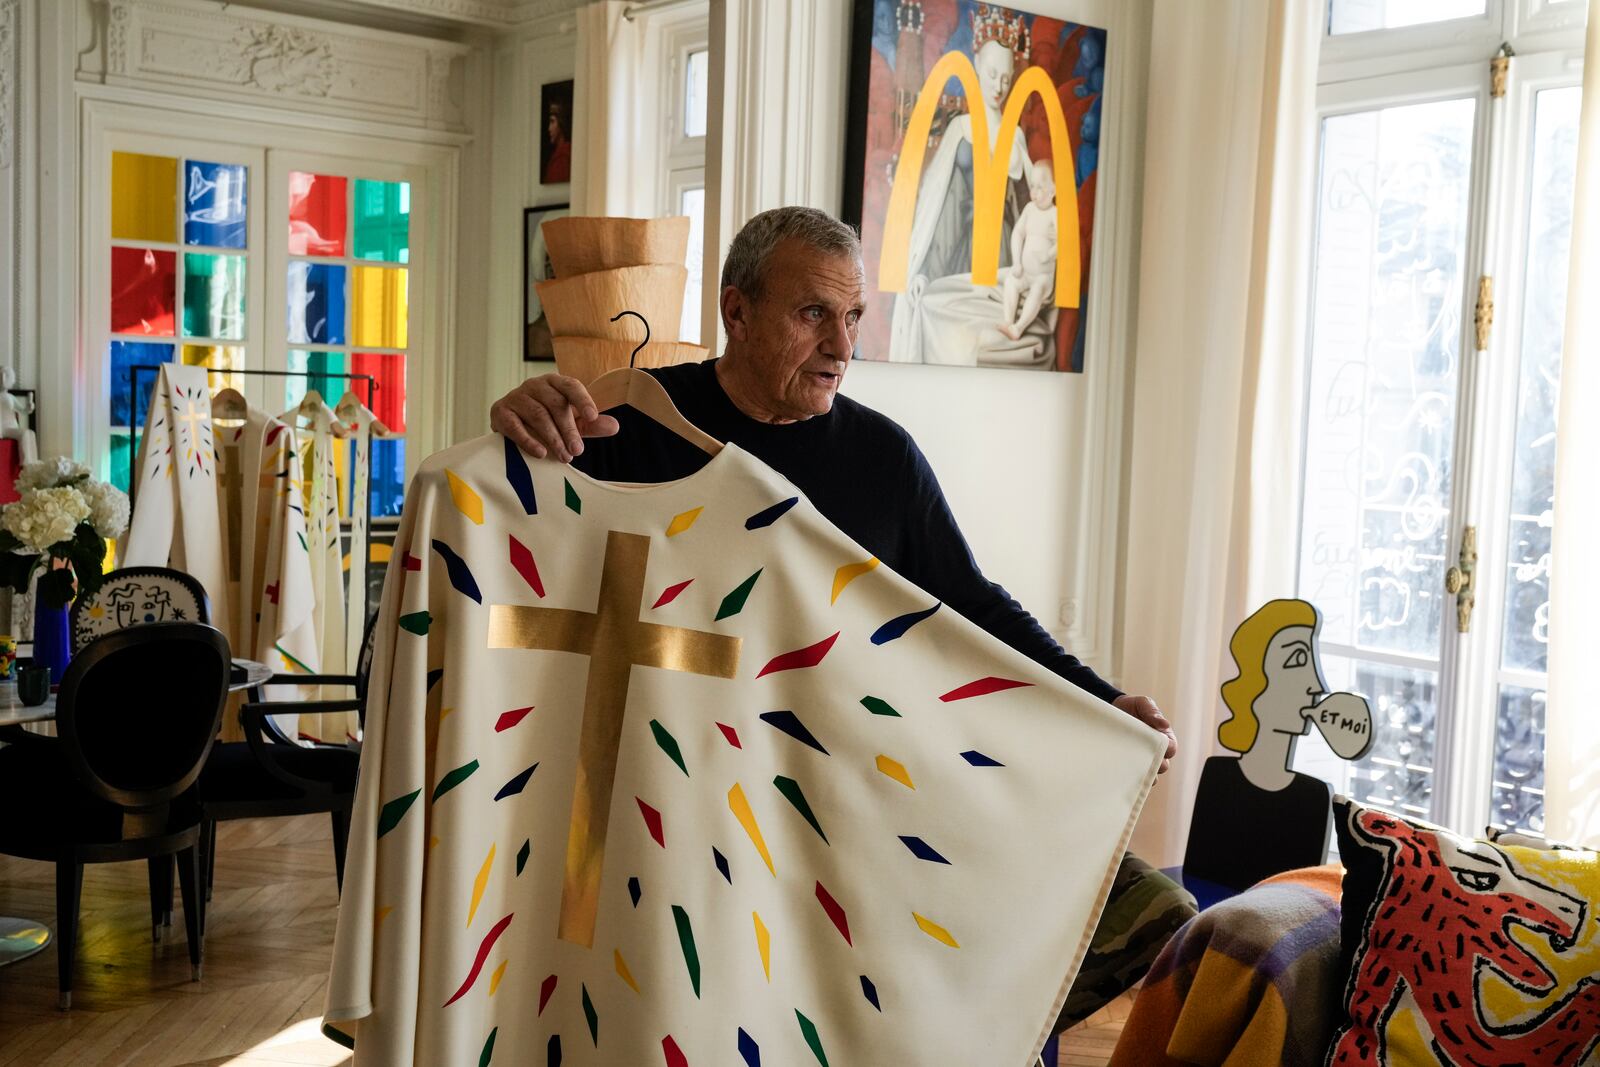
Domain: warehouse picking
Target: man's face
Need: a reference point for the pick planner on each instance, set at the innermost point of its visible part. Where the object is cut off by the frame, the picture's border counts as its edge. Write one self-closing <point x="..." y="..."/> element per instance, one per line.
<point x="553" y="128"/>
<point x="799" y="335"/>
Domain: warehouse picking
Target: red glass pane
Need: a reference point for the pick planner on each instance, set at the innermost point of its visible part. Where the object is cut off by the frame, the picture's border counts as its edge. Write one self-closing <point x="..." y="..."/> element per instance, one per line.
<point x="389" y="393"/>
<point x="144" y="293"/>
<point x="317" y="212"/>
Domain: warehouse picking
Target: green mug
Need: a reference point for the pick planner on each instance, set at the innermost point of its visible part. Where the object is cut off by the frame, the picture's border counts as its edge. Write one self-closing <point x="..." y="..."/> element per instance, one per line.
<point x="33" y="684"/>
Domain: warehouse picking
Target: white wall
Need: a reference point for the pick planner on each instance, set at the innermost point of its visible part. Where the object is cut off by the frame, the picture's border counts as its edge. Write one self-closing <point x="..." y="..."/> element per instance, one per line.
<point x="1033" y="463"/>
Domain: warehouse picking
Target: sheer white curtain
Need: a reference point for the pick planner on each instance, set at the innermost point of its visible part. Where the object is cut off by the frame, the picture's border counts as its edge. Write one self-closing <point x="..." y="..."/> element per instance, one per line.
<point x="1212" y="513"/>
<point x="1572" y="722"/>
<point x="612" y="143"/>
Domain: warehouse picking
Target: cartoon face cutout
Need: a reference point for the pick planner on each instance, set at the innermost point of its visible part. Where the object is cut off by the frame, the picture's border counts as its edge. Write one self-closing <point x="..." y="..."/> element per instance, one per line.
<point x="1294" y="681"/>
<point x="135" y="603"/>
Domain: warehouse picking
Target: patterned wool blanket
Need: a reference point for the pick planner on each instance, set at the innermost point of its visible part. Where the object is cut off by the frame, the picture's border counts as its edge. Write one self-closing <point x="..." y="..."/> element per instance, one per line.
<point x="1252" y="980"/>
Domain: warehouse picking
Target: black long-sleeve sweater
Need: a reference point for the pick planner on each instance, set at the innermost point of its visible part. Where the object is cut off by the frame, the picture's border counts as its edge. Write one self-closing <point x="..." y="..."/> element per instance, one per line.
<point x="864" y="473"/>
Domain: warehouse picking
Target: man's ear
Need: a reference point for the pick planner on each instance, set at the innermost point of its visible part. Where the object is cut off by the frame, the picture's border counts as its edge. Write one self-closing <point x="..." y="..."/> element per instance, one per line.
<point x="735" y="307"/>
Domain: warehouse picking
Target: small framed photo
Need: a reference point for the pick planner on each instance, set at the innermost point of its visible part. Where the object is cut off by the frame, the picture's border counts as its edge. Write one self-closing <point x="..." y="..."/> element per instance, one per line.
<point x="536" y="343"/>
<point x="555" y="134"/>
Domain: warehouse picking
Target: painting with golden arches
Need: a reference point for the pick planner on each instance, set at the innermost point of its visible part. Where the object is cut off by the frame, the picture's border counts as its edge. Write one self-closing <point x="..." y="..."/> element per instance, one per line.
<point x="972" y="257"/>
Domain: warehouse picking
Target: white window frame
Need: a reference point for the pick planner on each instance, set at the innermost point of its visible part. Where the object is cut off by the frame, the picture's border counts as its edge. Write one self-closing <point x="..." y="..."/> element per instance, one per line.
<point x="672" y="35"/>
<point x="430" y="168"/>
<point x="1450" y="60"/>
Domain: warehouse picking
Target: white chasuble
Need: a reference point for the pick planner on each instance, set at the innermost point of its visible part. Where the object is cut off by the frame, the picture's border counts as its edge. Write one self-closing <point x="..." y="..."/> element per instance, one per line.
<point x="175" y="519"/>
<point x="680" y="775"/>
<point x="362" y="425"/>
<point x="320" y="500"/>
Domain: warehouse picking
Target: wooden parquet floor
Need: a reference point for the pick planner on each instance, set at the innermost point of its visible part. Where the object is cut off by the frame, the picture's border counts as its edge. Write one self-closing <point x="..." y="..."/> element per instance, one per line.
<point x="269" y="937"/>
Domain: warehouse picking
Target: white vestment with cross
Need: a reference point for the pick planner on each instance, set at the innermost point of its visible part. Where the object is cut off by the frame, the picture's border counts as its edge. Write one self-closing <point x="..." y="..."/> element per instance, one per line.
<point x="681" y="775"/>
<point x="175" y="519"/>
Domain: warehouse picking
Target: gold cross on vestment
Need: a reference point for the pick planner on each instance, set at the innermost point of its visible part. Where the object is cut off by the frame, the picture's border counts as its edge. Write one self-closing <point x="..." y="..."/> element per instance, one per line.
<point x="616" y="641"/>
<point x="194" y="418"/>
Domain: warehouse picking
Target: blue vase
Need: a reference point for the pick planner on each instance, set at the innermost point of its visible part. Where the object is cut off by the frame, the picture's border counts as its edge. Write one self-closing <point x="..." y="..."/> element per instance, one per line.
<point x="52" y="647"/>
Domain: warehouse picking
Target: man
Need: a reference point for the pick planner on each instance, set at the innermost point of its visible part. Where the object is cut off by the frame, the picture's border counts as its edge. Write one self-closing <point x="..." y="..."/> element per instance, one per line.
<point x="793" y="290"/>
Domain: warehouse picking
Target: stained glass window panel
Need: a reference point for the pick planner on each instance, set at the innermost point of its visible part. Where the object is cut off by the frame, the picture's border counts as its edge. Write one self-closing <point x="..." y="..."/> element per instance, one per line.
<point x="124" y="445"/>
<point x="382" y="227"/>
<point x="388" y="483"/>
<point x="214" y="204"/>
<point x="125" y="355"/>
<point x="316" y="303"/>
<point x="143" y="291"/>
<point x="389" y="391"/>
<point x="378" y="313"/>
<point x="213" y="296"/>
<point x="217" y="358"/>
<point x="316" y="366"/>
<point x="144" y="197"/>
<point x="317" y="215"/>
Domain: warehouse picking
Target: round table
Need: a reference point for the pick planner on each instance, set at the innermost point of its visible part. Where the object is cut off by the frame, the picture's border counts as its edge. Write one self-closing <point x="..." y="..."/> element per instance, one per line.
<point x="21" y="938"/>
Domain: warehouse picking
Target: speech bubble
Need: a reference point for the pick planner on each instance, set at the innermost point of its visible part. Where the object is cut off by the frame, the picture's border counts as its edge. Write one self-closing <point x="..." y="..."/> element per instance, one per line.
<point x="1345" y="722"/>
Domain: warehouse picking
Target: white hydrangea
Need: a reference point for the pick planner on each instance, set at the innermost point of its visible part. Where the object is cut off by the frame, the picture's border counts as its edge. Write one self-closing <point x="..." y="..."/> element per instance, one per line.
<point x="108" y="508"/>
<point x="45" y="517"/>
<point x="46" y="473"/>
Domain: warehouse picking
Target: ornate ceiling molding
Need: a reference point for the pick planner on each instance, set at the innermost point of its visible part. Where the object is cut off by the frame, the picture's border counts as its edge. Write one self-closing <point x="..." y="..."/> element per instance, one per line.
<point x="248" y="55"/>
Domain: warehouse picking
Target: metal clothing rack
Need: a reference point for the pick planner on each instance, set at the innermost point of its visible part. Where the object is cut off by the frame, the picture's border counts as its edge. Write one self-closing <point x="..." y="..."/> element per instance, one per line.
<point x="136" y="370"/>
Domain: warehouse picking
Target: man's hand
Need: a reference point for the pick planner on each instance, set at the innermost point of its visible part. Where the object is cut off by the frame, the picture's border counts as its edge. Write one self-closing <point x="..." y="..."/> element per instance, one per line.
<point x="550" y="415"/>
<point x="1144" y="709"/>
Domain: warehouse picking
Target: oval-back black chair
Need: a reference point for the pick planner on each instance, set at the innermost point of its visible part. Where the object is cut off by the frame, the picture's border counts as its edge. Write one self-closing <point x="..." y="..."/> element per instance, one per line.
<point x="134" y="596"/>
<point x="136" y="717"/>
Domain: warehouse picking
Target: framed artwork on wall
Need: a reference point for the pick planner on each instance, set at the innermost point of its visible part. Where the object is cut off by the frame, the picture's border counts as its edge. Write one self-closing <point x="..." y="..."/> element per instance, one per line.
<point x="975" y="256"/>
<point x="536" y="342"/>
<point x="555" y="135"/>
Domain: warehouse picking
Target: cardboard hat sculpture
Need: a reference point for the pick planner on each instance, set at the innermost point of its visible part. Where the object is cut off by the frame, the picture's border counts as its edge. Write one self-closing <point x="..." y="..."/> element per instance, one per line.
<point x="606" y="266"/>
<point x="583" y="245"/>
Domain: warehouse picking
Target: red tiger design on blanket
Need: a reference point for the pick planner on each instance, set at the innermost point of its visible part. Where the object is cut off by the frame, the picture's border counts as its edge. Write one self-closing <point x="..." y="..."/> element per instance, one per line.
<point x="1440" y="920"/>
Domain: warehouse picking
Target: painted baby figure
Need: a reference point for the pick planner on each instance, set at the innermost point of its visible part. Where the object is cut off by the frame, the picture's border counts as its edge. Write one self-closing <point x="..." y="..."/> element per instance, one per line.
<point x="1031" y="277"/>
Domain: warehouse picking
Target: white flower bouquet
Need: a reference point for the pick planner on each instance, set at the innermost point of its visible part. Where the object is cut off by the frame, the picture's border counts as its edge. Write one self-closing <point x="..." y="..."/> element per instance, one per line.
<point x="63" y="514"/>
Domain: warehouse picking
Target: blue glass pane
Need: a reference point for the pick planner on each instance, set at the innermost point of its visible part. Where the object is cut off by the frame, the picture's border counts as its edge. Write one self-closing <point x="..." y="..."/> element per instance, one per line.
<point x="316" y="303"/>
<point x="124" y="447"/>
<point x="126" y="354"/>
<point x="388" y="483"/>
<point x="213" y="204"/>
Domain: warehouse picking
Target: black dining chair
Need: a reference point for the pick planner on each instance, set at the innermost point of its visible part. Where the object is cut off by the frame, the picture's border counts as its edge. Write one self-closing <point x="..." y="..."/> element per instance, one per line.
<point x="136" y="716"/>
<point x="137" y="596"/>
<point x="271" y="774"/>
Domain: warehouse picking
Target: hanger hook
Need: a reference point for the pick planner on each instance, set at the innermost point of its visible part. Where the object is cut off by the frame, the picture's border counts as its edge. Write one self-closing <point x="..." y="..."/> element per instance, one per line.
<point x="634" y="355"/>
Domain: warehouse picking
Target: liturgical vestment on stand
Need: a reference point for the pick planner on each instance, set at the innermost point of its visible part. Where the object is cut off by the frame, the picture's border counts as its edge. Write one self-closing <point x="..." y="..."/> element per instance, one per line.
<point x="320" y="499"/>
<point x="680" y="775"/>
<point x="362" y="426"/>
<point x="175" y="520"/>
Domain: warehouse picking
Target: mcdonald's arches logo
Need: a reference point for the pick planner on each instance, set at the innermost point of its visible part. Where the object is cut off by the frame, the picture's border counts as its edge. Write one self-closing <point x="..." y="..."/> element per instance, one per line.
<point x="989" y="169"/>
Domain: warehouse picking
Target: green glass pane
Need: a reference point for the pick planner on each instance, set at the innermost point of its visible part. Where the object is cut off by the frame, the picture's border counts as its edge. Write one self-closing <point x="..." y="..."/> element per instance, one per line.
<point x="123" y="446"/>
<point x="213" y="296"/>
<point x="382" y="221"/>
<point x="317" y="368"/>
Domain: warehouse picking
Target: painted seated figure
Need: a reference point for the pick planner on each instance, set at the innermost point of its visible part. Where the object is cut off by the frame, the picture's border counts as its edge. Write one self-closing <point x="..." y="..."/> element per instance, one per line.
<point x="1254" y="816"/>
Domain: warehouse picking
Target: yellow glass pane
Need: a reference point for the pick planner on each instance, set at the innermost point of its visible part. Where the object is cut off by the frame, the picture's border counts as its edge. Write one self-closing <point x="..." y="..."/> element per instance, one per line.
<point x="144" y="197"/>
<point x="218" y="358"/>
<point x="378" y="312"/>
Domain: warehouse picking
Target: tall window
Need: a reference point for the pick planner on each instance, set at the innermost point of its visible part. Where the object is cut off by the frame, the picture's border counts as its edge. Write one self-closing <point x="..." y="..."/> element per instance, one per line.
<point x="685" y="192"/>
<point x="186" y="283"/>
<point x="1444" y="203"/>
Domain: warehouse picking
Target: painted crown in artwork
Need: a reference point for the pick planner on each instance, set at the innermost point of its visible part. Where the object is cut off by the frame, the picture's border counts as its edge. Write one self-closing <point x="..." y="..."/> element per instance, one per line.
<point x="991" y="22"/>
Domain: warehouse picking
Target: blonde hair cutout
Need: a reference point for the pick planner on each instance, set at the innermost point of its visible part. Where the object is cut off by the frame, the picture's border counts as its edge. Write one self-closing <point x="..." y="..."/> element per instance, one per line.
<point x="1249" y="649"/>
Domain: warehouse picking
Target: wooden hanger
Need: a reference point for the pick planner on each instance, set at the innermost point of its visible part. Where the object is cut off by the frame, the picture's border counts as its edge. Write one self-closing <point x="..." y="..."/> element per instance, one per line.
<point x="645" y="395"/>
<point x="230" y="404"/>
<point x="313" y="407"/>
<point x="350" y="405"/>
